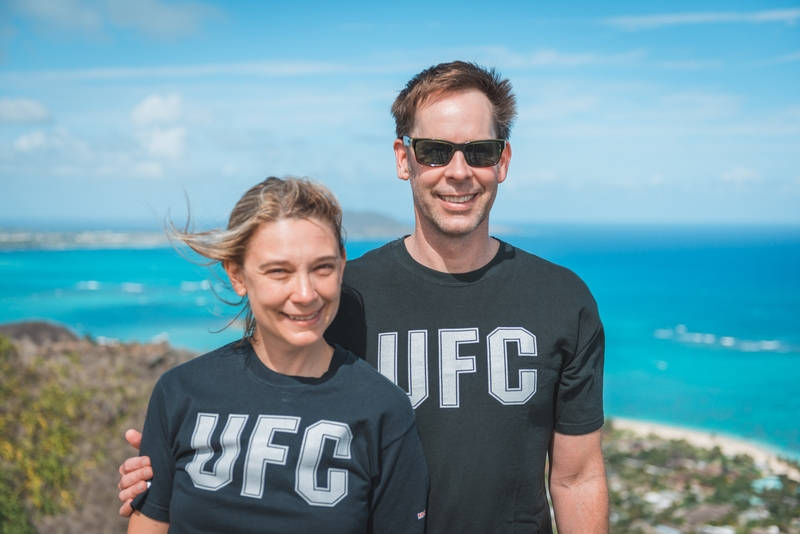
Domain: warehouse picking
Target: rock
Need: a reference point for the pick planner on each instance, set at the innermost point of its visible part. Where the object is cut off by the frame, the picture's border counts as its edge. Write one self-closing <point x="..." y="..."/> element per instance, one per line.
<point x="37" y="332"/>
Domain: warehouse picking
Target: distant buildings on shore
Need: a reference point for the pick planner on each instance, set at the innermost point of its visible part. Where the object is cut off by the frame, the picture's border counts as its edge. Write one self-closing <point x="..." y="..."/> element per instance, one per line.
<point x="93" y="239"/>
<point x="358" y="226"/>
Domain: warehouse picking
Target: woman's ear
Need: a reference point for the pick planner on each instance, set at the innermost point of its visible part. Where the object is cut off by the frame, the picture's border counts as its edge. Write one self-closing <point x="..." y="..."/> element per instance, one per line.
<point x="344" y="263"/>
<point x="235" y="275"/>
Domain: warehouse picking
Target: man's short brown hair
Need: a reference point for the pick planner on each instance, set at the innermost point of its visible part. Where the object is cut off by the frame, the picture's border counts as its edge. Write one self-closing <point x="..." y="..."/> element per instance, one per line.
<point x="456" y="77"/>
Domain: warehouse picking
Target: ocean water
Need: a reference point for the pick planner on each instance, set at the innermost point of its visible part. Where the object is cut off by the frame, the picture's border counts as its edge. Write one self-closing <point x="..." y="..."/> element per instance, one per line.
<point x="702" y="324"/>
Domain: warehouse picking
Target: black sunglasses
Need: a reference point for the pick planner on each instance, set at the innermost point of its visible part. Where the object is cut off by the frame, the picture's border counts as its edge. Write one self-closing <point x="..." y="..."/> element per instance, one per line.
<point x="437" y="153"/>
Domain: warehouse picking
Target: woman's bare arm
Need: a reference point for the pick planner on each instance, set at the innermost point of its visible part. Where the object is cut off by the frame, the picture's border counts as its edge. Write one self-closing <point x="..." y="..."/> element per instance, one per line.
<point x="141" y="524"/>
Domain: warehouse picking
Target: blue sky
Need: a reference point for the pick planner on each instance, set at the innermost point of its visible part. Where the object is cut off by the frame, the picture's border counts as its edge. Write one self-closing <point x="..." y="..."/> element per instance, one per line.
<point x="628" y="112"/>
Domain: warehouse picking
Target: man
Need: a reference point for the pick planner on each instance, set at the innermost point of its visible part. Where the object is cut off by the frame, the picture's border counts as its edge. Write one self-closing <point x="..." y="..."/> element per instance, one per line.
<point x="500" y="352"/>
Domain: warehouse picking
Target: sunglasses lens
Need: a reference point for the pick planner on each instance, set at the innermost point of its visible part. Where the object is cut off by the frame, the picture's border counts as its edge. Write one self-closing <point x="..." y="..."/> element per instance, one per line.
<point x="433" y="152"/>
<point x="483" y="153"/>
<point x="439" y="153"/>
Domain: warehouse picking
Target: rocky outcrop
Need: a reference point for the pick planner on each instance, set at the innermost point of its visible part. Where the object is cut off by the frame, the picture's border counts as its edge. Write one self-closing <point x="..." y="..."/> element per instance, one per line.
<point x="118" y="380"/>
<point x="37" y="332"/>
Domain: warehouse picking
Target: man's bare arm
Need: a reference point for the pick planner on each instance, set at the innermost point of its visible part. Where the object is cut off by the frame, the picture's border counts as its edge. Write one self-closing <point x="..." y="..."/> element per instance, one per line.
<point x="134" y="474"/>
<point x="578" y="484"/>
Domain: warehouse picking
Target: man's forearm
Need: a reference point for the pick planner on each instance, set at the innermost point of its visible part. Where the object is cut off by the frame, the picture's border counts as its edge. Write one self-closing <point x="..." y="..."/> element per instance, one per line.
<point x="578" y="483"/>
<point x="581" y="506"/>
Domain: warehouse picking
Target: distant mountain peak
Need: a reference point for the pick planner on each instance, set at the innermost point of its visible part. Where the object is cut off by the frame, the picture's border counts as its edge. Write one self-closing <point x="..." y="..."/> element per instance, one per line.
<point x="370" y="224"/>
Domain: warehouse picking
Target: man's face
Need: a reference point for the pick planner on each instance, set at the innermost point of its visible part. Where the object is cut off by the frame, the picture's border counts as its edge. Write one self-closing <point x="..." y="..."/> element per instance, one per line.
<point x="453" y="200"/>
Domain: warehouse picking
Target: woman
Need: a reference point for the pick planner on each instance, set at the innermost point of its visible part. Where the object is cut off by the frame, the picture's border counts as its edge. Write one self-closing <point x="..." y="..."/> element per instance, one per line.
<point x="281" y="432"/>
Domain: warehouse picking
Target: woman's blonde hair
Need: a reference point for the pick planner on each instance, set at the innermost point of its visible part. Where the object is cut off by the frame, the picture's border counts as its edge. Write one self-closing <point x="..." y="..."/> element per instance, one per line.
<point x="269" y="201"/>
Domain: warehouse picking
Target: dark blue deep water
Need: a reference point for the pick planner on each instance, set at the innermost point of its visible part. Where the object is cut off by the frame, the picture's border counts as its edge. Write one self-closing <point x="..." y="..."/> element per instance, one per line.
<point x="702" y="323"/>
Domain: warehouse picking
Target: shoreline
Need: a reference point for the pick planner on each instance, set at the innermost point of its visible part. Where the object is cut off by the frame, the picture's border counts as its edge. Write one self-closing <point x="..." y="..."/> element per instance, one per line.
<point x="766" y="458"/>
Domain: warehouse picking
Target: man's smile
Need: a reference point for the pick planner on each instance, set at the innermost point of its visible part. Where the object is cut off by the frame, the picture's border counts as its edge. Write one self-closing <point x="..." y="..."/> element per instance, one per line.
<point x="457" y="199"/>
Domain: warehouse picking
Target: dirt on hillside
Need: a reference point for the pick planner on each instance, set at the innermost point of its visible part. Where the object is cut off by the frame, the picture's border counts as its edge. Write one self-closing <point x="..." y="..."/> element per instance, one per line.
<point x="120" y="379"/>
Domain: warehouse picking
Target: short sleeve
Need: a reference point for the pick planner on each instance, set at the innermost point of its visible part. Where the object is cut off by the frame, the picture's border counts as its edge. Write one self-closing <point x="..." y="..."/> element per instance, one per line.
<point x="579" y="397"/>
<point x="400" y="492"/>
<point x="154" y="503"/>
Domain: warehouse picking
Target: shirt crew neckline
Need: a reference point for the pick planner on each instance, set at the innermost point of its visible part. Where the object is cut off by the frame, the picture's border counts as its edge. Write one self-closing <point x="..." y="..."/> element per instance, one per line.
<point x="495" y="265"/>
<point x="256" y="368"/>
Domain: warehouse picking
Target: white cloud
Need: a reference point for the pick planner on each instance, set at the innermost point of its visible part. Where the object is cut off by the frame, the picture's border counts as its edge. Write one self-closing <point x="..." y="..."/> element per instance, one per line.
<point x="638" y="22"/>
<point x="148" y="169"/>
<point x="153" y="113"/>
<point x="58" y="140"/>
<point x="701" y="64"/>
<point x="22" y="110"/>
<point x="266" y="69"/>
<point x="355" y="26"/>
<point x="124" y="164"/>
<point x="546" y="58"/>
<point x="556" y="107"/>
<point x="148" y="16"/>
<point x="544" y="176"/>
<point x="31" y="142"/>
<point x="156" y="109"/>
<point x="159" y="18"/>
<point x="65" y="14"/>
<point x="787" y="58"/>
<point x="741" y="176"/>
<point x="231" y="169"/>
<point x="535" y="176"/>
<point x="553" y="58"/>
<point x="169" y="142"/>
<point x="699" y="105"/>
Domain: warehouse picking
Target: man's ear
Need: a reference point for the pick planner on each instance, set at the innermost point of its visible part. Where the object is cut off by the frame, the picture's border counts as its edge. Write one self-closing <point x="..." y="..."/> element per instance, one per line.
<point x="401" y="159"/>
<point x="235" y="275"/>
<point x="502" y="165"/>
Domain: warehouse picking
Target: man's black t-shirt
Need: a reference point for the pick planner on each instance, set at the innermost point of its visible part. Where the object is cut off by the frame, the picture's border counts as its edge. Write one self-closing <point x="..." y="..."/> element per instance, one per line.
<point x="493" y="362"/>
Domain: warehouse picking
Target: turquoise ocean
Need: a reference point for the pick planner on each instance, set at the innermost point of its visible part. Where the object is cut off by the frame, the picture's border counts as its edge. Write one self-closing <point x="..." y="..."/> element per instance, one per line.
<point x="702" y="323"/>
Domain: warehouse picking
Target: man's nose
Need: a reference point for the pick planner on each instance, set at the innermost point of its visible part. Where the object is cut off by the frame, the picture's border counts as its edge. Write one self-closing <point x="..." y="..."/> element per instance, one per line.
<point x="458" y="167"/>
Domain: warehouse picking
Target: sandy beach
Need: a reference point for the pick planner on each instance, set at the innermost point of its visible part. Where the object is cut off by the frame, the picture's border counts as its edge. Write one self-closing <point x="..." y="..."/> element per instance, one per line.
<point x="767" y="459"/>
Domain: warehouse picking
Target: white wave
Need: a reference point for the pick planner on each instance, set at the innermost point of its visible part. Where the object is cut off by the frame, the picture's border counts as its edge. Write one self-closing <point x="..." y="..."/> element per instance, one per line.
<point x="769" y="345"/>
<point x="88" y="285"/>
<point x="203" y="285"/>
<point x="131" y="287"/>
<point x="682" y="334"/>
<point x="664" y="333"/>
<point x="163" y="337"/>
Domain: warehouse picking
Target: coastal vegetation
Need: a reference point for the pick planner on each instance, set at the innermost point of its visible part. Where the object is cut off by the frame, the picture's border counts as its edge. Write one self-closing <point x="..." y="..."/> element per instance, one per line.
<point x="64" y="406"/>
<point x="39" y="437"/>
<point x="660" y="486"/>
<point x="65" y="403"/>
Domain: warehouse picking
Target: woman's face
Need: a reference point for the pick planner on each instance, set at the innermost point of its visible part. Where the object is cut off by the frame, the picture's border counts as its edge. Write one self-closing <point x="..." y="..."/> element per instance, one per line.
<point x="292" y="274"/>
